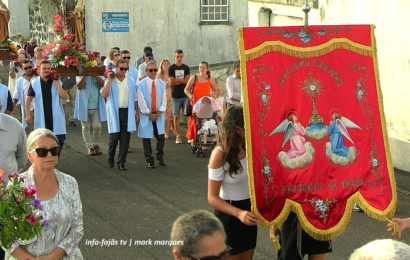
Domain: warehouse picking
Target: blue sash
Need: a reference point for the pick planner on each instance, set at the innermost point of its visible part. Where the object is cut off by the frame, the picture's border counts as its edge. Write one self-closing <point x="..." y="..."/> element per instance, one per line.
<point x="57" y="107"/>
<point x="145" y="128"/>
<point x="113" y="120"/>
<point x="81" y="102"/>
<point x="4" y="94"/>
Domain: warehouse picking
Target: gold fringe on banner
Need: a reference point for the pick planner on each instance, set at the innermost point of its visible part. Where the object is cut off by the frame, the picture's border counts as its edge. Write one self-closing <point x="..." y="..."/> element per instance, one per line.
<point x="308" y="52"/>
<point x="357" y="198"/>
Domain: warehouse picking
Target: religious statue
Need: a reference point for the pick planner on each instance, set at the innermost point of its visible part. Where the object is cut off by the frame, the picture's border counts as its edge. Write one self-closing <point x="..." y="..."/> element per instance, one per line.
<point x="4" y="22"/>
<point x="73" y="13"/>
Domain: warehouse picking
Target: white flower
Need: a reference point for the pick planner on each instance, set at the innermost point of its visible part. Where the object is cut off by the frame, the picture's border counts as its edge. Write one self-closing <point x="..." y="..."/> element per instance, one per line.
<point x="66" y="57"/>
<point x="319" y="203"/>
<point x="61" y="63"/>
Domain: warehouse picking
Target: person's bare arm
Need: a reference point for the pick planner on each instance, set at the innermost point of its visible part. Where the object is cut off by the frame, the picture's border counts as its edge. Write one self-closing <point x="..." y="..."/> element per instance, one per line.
<point x="215" y="201"/>
<point x="105" y="92"/>
<point x="29" y="120"/>
<point x="13" y="70"/>
<point x="81" y="83"/>
<point x="100" y="82"/>
<point x="188" y="88"/>
<point x="61" y="91"/>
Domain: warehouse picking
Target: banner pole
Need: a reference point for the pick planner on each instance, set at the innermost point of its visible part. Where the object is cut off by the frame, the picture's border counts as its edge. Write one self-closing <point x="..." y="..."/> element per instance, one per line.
<point x="306" y="10"/>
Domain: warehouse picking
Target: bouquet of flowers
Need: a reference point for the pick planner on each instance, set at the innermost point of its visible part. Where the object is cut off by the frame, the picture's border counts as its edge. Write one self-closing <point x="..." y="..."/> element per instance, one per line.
<point x="20" y="211"/>
<point x="67" y="53"/>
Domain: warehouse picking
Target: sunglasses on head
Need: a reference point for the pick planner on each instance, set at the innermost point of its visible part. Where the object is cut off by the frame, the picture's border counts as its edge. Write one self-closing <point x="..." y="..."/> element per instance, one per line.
<point x="122" y="69"/>
<point x="153" y="70"/>
<point x="223" y="256"/>
<point x="126" y="58"/>
<point x="28" y="68"/>
<point x="43" y="152"/>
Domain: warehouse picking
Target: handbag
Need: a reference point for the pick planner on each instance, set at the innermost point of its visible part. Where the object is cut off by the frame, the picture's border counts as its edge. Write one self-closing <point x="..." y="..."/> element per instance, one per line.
<point x="188" y="106"/>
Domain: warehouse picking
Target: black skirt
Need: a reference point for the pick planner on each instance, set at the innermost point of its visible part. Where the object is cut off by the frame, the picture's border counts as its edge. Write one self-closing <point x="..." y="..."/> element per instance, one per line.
<point x="239" y="237"/>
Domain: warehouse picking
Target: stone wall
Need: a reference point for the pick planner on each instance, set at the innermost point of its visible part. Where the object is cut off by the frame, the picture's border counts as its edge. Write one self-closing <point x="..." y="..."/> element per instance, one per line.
<point x="41" y="14"/>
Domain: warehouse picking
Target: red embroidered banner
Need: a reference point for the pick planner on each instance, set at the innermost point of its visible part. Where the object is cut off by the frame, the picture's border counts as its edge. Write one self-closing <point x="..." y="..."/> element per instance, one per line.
<point x="314" y="112"/>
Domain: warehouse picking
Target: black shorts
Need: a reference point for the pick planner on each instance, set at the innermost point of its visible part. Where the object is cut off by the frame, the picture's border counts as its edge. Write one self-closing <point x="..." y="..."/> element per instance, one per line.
<point x="239" y="237"/>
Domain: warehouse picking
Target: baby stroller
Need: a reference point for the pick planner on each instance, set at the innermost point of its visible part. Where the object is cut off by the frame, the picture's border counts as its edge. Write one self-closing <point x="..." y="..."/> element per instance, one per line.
<point x="205" y="109"/>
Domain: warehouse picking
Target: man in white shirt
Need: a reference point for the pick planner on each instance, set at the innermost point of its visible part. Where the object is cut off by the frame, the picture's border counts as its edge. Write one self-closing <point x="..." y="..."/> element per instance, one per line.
<point x="233" y="86"/>
<point x="16" y="71"/>
<point x="13" y="149"/>
<point x="121" y="118"/>
<point x="20" y="93"/>
<point x="152" y="104"/>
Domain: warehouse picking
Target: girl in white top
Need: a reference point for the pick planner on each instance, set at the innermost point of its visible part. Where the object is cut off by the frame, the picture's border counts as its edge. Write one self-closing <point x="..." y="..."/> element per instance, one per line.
<point x="228" y="189"/>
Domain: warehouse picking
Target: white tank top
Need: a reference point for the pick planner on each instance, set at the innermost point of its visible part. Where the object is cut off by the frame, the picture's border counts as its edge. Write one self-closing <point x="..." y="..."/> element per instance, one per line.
<point x="232" y="188"/>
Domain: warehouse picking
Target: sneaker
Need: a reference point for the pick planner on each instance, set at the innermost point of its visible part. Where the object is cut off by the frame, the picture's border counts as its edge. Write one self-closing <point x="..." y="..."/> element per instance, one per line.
<point x="190" y="141"/>
<point x="178" y="140"/>
<point x="357" y="208"/>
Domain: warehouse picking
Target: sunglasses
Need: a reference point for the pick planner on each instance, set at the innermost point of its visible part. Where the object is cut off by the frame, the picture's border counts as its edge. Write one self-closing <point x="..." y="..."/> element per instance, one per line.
<point x="28" y="68"/>
<point x="122" y="69"/>
<point x="43" y="152"/>
<point x="223" y="256"/>
<point x="153" y="70"/>
<point x="116" y="55"/>
<point x="126" y="58"/>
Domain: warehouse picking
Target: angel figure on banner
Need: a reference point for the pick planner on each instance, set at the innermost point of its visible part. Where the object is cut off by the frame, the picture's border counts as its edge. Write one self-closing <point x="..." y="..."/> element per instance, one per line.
<point x="336" y="151"/>
<point x="301" y="152"/>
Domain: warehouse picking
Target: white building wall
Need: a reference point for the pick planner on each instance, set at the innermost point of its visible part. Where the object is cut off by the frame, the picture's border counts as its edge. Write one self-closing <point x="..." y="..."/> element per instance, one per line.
<point x="19" y="17"/>
<point x="392" y="35"/>
<point x="167" y="26"/>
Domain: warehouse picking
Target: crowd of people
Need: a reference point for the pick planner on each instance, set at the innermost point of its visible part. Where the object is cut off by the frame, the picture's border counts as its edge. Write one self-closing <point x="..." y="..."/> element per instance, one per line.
<point x="147" y="98"/>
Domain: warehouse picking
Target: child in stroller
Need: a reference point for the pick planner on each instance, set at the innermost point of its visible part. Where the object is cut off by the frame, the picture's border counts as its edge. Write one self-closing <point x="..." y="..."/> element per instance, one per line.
<point x="209" y="127"/>
<point x="205" y="110"/>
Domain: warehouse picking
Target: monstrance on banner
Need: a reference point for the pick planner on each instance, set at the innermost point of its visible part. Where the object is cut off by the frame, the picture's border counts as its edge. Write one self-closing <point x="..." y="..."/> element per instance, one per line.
<point x="314" y="114"/>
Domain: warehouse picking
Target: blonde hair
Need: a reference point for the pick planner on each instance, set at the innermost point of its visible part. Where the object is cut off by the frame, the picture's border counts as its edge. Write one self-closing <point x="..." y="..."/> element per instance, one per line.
<point x="36" y="134"/>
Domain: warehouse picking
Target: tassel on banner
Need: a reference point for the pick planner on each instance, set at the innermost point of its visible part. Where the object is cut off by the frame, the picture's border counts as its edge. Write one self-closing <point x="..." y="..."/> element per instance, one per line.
<point x="274" y="239"/>
<point x="308" y="52"/>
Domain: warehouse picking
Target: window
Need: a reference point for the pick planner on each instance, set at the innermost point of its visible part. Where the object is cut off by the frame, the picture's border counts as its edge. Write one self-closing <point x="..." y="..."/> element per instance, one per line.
<point x="214" y="11"/>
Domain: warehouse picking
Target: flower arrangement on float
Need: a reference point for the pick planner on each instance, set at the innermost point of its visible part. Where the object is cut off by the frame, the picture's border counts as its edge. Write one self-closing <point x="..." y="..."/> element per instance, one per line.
<point x="20" y="212"/>
<point x="67" y="53"/>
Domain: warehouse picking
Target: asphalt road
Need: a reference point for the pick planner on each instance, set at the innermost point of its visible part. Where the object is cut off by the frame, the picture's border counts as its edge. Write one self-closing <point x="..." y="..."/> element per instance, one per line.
<point x="141" y="204"/>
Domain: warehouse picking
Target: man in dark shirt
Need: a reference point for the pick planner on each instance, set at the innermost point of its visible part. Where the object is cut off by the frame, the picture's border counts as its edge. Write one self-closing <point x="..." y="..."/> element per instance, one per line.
<point x="30" y="48"/>
<point x="47" y="100"/>
<point x="179" y="75"/>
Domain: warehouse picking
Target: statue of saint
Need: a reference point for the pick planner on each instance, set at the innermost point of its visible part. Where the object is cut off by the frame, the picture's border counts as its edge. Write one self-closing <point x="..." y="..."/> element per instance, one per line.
<point x="73" y="13"/>
<point x="4" y="22"/>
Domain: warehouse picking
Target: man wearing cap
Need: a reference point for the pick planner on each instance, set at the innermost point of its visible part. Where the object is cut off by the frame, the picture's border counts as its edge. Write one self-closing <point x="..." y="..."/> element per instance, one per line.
<point x="233" y="86"/>
<point x="46" y="93"/>
<point x="13" y="150"/>
<point x="121" y="117"/>
<point x="149" y="56"/>
<point x="141" y="59"/>
<point x="152" y="104"/>
<point x="20" y="93"/>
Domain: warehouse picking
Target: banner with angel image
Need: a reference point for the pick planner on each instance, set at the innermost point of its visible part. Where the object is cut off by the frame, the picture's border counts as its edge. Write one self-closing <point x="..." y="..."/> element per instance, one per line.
<point x="316" y="135"/>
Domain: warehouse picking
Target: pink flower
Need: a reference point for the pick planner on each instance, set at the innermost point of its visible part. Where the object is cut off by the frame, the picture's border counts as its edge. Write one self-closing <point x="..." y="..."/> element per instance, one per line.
<point x="57" y="18"/>
<point x="32" y="219"/>
<point x="18" y="198"/>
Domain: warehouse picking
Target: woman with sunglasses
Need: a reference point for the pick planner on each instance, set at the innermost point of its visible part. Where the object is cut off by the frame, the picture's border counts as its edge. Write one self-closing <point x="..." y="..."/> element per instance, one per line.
<point x="228" y="188"/>
<point x="114" y="55"/>
<point x="60" y="198"/>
